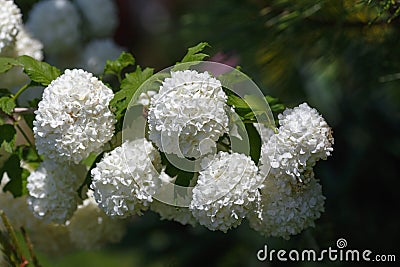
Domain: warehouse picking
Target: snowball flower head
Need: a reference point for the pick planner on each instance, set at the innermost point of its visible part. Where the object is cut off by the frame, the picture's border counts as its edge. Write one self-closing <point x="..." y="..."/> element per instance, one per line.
<point x="100" y="16"/>
<point x="27" y="45"/>
<point x="303" y="138"/>
<point x="10" y="23"/>
<point x="125" y="180"/>
<point x="284" y="209"/>
<point x="73" y="118"/>
<point x="53" y="193"/>
<point x="91" y="228"/>
<point x="309" y="129"/>
<point x="56" y="23"/>
<point x="225" y="191"/>
<point x="96" y="54"/>
<point x="187" y="115"/>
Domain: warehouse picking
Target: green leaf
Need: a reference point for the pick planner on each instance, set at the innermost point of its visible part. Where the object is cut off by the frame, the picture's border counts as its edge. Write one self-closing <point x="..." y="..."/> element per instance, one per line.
<point x="271" y="100"/>
<point x="135" y="79"/>
<point x="34" y="103"/>
<point x="275" y="104"/>
<point x="252" y="108"/>
<point x="28" y="154"/>
<point x="29" y="118"/>
<point x="255" y="102"/>
<point x="278" y="108"/>
<point x="241" y="107"/>
<point x="89" y="160"/>
<point x="24" y="181"/>
<point x="115" y="67"/>
<point x="183" y="178"/>
<point x="7" y="63"/>
<point x="7" y="104"/>
<point x="232" y="78"/>
<point x="237" y="102"/>
<point x="255" y="144"/>
<point x="249" y="116"/>
<point x="7" y="137"/>
<point x="129" y="86"/>
<point x="88" y="178"/>
<point x="194" y="54"/>
<point x="39" y="72"/>
<point x="14" y="171"/>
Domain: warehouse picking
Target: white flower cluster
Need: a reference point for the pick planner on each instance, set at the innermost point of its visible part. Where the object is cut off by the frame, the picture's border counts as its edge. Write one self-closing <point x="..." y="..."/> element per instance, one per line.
<point x="190" y="108"/>
<point x="100" y="16"/>
<point x="10" y="23"/>
<point x="56" y="23"/>
<point x="125" y="180"/>
<point x="291" y="198"/>
<point x="97" y="52"/>
<point x="303" y="138"/>
<point x="53" y="193"/>
<point x="187" y="116"/>
<point x="226" y="190"/>
<point x="73" y="118"/>
<point x="285" y="209"/>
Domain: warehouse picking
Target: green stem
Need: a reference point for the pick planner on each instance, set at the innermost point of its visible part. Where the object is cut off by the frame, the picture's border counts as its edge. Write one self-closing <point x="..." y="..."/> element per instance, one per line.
<point x="15" y="123"/>
<point x="28" y="140"/>
<point x="249" y="121"/>
<point x="13" y="237"/>
<point x="20" y="91"/>
<point x="274" y="128"/>
<point x="119" y="77"/>
<point x="28" y="242"/>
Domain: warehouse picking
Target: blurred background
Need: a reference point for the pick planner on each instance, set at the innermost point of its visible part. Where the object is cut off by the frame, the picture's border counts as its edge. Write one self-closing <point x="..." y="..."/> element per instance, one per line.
<point x="342" y="57"/>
